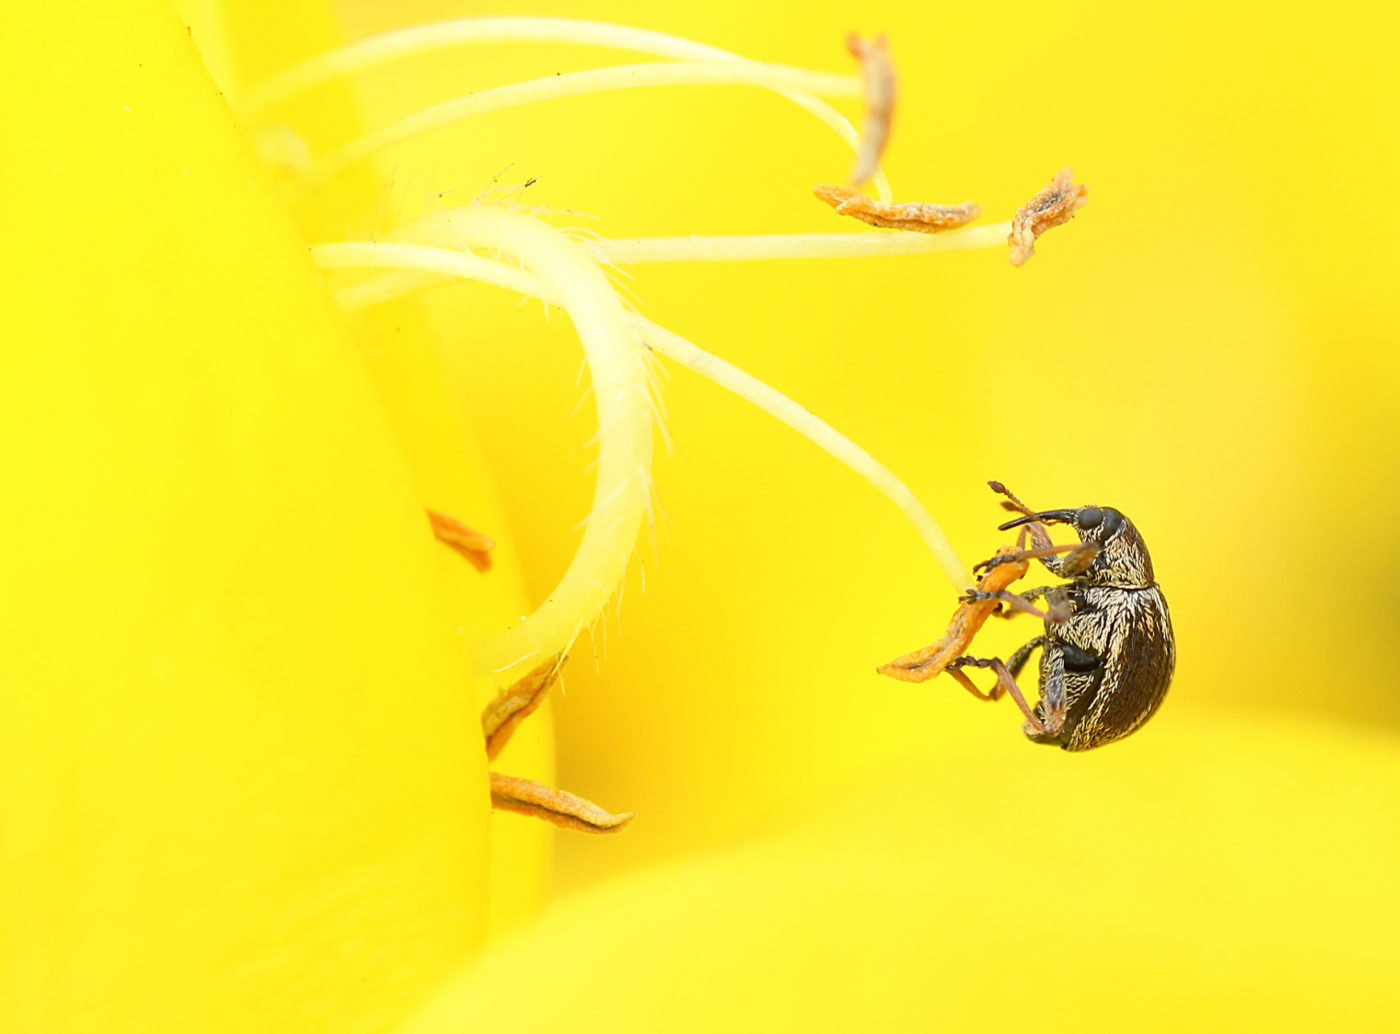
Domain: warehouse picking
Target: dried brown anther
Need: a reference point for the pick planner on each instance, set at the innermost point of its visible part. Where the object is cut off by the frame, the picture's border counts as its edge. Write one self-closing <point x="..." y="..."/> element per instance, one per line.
<point x="878" y="84"/>
<point x="470" y="543"/>
<point x="517" y="702"/>
<point x="499" y="720"/>
<point x="527" y="797"/>
<point x="968" y="619"/>
<point x="908" y="215"/>
<point x="1054" y="205"/>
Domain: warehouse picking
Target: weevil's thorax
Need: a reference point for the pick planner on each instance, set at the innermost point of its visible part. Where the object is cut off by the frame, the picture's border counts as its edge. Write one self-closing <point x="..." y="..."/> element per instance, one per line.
<point x="1123" y="561"/>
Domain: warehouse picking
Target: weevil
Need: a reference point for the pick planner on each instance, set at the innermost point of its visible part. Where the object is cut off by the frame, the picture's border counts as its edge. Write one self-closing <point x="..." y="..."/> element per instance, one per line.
<point x="1107" y="652"/>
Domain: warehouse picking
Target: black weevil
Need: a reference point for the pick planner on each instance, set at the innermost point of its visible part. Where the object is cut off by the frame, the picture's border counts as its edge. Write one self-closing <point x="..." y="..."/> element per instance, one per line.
<point x="1107" y="653"/>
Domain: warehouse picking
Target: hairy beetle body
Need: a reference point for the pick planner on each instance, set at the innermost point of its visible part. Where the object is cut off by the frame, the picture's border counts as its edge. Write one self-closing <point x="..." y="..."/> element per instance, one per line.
<point x="1114" y="656"/>
<point x="1108" y="652"/>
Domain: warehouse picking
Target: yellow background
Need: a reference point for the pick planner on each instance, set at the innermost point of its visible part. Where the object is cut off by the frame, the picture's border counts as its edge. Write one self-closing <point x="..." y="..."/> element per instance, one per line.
<point x="1207" y="347"/>
<point x="241" y="774"/>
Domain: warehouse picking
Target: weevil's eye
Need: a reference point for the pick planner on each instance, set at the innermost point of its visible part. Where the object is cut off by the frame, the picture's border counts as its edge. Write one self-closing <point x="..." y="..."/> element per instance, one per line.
<point x="1112" y="521"/>
<point x="1090" y="516"/>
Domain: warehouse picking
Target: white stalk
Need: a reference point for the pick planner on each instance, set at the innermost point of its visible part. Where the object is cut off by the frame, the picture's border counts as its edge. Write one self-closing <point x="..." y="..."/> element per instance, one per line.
<point x="746" y="248"/>
<point x="571" y="84"/>
<point x="563" y="270"/>
<point x="427" y="266"/>
<point x="371" y="52"/>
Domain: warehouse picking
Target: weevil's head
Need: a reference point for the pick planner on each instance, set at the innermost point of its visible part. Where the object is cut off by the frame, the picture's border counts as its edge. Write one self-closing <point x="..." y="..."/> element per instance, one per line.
<point x="1122" y="560"/>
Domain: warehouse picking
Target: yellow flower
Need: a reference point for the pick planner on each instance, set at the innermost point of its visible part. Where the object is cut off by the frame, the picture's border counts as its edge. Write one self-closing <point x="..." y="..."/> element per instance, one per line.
<point x="243" y="781"/>
<point x="240" y="786"/>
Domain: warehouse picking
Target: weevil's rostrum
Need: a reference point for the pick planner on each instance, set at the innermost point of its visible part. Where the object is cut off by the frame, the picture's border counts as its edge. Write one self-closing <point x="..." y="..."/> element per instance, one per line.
<point x="1107" y="652"/>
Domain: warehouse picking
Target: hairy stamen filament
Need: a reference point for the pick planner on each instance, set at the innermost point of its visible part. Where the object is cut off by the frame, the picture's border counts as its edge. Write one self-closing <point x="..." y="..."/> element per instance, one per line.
<point x="373" y="51"/>
<point x="438" y="265"/>
<point x="571" y="84"/>
<point x="617" y="368"/>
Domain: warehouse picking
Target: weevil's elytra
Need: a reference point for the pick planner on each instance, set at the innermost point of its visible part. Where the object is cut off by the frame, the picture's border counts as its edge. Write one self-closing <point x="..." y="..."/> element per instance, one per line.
<point x="1107" y="653"/>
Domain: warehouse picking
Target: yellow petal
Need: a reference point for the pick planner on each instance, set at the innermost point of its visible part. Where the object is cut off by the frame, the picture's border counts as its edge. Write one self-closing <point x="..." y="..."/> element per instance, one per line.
<point x="1238" y="876"/>
<point x="413" y="379"/>
<point x="243" y="781"/>
<point x="412" y="375"/>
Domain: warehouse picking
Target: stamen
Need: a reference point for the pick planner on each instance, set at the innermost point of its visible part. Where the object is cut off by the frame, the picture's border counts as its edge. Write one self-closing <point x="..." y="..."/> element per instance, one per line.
<point x="440" y="261"/>
<point x="517" y="702"/>
<point x="815" y="430"/>
<point x="967" y="621"/>
<point x="365" y="54"/>
<point x="878" y="85"/>
<point x="571" y="84"/>
<point x="565" y="810"/>
<point x="634" y="250"/>
<point x="907" y="215"/>
<point x="564" y="273"/>
<point x="746" y="248"/>
<point x="468" y="542"/>
<point x="1054" y="205"/>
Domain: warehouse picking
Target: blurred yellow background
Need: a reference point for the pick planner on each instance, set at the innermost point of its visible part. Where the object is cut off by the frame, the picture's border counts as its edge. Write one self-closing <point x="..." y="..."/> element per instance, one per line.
<point x="1208" y="347"/>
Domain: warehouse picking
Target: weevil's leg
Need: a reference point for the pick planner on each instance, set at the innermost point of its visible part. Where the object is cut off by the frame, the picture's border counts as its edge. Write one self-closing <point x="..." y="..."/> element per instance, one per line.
<point x="471" y="544"/>
<point x="1018" y="604"/>
<point x="1052" y="696"/>
<point x="1028" y="596"/>
<point x="1019" y="658"/>
<point x="1075" y="561"/>
<point x="1007" y="684"/>
<point x="967" y="684"/>
<point x="1083" y="554"/>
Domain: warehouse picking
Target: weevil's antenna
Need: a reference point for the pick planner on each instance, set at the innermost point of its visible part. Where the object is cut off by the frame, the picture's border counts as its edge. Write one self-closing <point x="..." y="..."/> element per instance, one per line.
<point x="1013" y="504"/>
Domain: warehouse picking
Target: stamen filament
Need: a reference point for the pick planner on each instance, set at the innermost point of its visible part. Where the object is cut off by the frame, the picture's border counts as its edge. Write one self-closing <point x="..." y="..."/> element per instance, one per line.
<point x="633" y="250"/>
<point x="816" y="430"/>
<point x="743" y="248"/>
<point x="373" y="51"/>
<point x="570" y="84"/>
<point x="439" y="263"/>
<point x="563" y="271"/>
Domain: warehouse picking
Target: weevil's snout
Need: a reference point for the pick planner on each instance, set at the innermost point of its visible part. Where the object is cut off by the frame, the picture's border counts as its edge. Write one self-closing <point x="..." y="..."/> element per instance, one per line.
<point x="1045" y="517"/>
<point x="1094" y="523"/>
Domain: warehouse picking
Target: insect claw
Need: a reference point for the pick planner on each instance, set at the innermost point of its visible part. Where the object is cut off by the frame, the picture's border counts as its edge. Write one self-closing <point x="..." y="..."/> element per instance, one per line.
<point x="976" y="662"/>
<point x="995" y="561"/>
